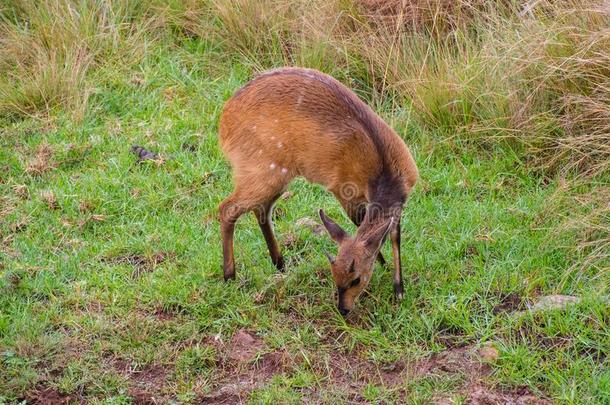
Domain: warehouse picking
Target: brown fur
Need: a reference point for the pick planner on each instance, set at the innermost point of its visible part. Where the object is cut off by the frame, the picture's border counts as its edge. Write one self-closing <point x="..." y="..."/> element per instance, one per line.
<point x="299" y="122"/>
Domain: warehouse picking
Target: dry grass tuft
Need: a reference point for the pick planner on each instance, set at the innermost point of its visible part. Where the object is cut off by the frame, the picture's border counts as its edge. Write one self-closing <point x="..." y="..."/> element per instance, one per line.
<point x="535" y="75"/>
<point x="586" y="219"/>
<point x="436" y="16"/>
<point x="48" y="47"/>
<point x="42" y="161"/>
<point x="49" y="199"/>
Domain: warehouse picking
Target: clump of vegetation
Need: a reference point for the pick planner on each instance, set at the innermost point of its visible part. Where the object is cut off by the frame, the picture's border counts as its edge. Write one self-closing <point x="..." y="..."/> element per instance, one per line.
<point x="49" y="47"/>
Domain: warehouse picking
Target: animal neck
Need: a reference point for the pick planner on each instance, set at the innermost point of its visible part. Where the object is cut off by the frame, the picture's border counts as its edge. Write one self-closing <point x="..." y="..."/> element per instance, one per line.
<point x="387" y="197"/>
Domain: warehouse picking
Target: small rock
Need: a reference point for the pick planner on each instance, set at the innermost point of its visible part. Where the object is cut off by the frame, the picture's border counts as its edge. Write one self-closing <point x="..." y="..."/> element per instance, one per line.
<point x="286" y="195"/>
<point x="143" y="154"/>
<point x="314" y="226"/>
<point x="554" y="302"/>
<point x="489" y="353"/>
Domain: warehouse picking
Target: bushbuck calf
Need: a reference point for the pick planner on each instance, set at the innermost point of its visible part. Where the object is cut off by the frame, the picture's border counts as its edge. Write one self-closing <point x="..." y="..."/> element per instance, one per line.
<point x="294" y="122"/>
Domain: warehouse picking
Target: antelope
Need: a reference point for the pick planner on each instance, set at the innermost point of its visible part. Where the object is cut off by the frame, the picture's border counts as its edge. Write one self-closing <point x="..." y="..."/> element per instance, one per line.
<point x="291" y="122"/>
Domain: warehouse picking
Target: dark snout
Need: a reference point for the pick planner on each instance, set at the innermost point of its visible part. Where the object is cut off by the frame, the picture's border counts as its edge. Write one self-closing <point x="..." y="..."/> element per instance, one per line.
<point x="343" y="311"/>
<point x="341" y="302"/>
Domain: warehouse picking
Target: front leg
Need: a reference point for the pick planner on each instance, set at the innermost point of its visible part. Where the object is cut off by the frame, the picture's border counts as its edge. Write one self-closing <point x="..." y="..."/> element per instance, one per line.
<point x="395" y="237"/>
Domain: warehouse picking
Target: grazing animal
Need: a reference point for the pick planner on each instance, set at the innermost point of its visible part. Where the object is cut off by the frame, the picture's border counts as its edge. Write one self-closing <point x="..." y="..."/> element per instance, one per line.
<point x="293" y="122"/>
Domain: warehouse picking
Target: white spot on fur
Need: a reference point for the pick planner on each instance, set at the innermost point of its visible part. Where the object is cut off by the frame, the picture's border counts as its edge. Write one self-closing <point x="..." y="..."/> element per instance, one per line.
<point x="254" y="127"/>
<point x="284" y="170"/>
<point x="260" y="151"/>
<point x="300" y="100"/>
<point x="279" y="144"/>
<point x="276" y="120"/>
<point x="272" y="137"/>
<point x="272" y="166"/>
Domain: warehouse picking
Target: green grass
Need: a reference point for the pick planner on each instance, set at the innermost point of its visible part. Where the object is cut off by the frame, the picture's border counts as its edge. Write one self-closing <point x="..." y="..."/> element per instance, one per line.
<point x="125" y="267"/>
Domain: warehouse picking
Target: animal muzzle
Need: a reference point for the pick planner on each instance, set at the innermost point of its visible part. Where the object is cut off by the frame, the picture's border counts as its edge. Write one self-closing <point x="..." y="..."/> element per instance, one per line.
<point x="341" y="303"/>
<point x="343" y="311"/>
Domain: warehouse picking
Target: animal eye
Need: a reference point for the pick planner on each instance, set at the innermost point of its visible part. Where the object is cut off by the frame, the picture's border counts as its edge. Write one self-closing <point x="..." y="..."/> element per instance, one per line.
<point x="355" y="282"/>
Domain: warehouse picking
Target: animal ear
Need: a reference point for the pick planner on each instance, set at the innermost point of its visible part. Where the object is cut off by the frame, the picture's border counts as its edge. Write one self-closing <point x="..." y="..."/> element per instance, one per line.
<point x="375" y="238"/>
<point x="334" y="230"/>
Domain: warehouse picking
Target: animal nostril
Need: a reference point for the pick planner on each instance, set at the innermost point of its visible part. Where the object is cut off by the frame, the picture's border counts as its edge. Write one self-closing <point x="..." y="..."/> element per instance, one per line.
<point x="343" y="311"/>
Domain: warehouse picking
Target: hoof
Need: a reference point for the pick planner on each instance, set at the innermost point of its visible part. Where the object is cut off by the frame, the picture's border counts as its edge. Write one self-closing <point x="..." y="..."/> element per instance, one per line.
<point x="398" y="291"/>
<point x="229" y="276"/>
<point x="280" y="264"/>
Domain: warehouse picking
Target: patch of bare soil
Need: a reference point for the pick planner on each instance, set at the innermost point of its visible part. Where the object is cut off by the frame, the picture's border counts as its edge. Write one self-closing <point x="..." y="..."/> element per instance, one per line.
<point x="468" y="363"/>
<point x="509" y="303"/>
<point x="163" y="314"/>
<point x="478" y="394"/>
<point x="350" y="373"/>
<point x="51" y="396"/>
<point x="244" y="364"/>
<point x="146" y="384"/>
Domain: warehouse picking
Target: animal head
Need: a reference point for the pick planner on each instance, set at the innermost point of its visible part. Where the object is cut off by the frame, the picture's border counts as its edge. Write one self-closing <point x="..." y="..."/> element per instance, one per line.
<point x="353" y="266"/>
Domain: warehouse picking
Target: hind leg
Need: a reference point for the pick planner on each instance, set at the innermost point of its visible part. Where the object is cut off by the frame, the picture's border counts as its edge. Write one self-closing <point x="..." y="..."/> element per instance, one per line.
<point x="249" y="195"/>
<point x="263" y="215"/>
<point x="230" y="211"/>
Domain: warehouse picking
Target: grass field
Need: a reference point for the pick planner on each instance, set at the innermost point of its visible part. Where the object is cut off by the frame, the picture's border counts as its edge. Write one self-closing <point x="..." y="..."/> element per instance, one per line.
<point x="111" y="285"/>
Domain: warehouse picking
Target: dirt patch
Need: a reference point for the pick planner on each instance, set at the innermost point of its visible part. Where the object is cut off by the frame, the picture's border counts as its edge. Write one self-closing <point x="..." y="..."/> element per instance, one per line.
<point x="350" y="370"/>
<point x="222" y="399"/>
<point x="141" y="263"/>
<point x="244" y="346"/>
<point x="478" y="394"/>
<point x="468" y="363"/>
<point x="244" y="364"/>
<point x="163" y="314"/>
<point x="51" y="396"/>
<point x="48" y="197"/>
<point x="509" y="302"/>
<point x="350" y="373"/>
<point x="309" y="223"/>
<point x="146" y="384"/>
<point x="456" y="360"/>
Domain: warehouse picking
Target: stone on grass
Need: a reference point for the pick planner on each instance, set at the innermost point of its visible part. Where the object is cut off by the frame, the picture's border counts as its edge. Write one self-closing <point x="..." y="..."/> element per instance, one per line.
<point x="311" y="224"/>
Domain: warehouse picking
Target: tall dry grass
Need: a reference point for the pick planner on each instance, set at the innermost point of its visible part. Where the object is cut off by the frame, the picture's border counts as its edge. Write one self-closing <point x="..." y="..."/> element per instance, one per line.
<point x="585" y="232"/>
<point x="47" y="48"/>
<point x="538" y="77"/>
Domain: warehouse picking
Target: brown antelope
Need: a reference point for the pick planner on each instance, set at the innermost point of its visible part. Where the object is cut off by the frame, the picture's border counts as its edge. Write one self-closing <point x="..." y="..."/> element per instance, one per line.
<point x="300" y="122"/>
